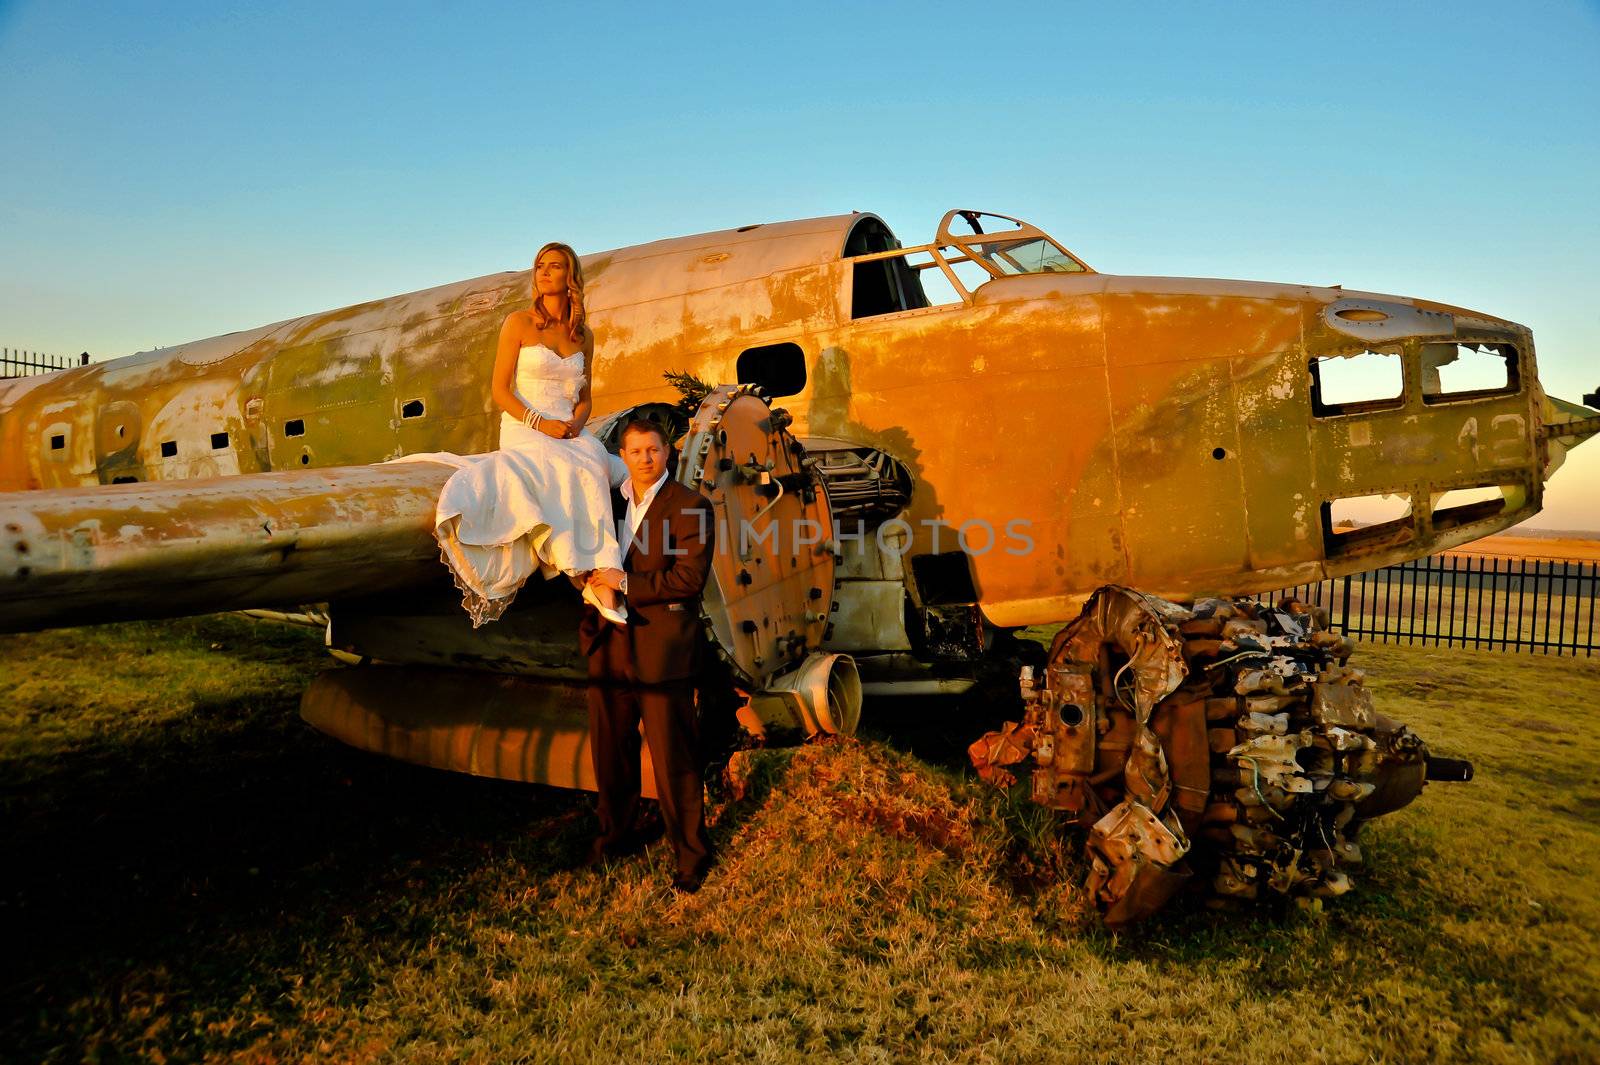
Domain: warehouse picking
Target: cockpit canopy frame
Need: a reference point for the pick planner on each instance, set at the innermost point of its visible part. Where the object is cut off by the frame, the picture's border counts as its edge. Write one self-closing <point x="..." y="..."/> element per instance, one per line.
<point x="1011" y="249"/>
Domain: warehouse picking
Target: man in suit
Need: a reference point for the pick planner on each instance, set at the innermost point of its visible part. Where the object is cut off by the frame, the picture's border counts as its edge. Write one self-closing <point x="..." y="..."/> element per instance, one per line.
<point x="645" y="670"/>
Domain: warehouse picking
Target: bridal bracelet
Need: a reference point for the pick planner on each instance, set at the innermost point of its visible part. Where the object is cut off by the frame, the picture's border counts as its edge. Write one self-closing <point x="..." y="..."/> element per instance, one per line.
<point x="532" y="418"/>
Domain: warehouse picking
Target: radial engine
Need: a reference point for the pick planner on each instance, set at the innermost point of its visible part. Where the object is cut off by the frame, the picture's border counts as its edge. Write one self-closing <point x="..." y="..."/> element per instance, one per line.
<point x="1225" y="743"/>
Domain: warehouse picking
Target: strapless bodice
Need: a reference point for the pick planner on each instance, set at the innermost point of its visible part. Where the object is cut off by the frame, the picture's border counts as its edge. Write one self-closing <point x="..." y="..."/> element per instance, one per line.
<point x="548" y="382"/>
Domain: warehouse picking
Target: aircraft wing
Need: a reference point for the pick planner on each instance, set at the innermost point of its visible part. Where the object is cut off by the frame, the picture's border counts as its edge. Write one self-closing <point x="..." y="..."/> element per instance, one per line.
<point x="169" y="548"/>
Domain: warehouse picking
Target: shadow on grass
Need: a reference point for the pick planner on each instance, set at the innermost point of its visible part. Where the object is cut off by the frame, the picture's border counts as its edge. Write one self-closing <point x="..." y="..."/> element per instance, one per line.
<point x="212" y="859"/>
<point x="939" y="730"/>
<point x="1397" y="920"/>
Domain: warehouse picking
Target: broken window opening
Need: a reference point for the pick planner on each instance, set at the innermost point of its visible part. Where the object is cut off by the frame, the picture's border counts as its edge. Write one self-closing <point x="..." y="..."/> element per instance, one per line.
<point x="219" y="441"/>
<point x="880" y="286"/>
<point x="1463" y="506"/>
<point x="1467" y="371"/>
<point x="936" y="288"/>
<point x="1353" y="524"/>
<point x="1355" y="384"/>
<point x="412" y="409"/>
<point x="778" y="368"/>
<point x="981" y="223"/>
<point x="58" y="441"/>
<point x="885" y="286"/>
<point x="296" y="427"/>
<point x="169" y="448"/>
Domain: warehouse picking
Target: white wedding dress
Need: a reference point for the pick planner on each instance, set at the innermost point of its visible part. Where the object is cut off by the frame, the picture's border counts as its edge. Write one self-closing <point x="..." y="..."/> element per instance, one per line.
<point x="537" y="504"/>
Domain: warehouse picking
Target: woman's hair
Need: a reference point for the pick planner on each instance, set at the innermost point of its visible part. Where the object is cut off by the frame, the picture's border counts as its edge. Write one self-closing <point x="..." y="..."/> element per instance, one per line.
<point x="575" y="312"/>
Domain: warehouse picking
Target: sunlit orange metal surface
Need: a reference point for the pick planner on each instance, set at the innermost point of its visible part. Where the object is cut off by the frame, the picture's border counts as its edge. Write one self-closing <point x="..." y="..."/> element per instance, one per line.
<point x="1076" y="428"/>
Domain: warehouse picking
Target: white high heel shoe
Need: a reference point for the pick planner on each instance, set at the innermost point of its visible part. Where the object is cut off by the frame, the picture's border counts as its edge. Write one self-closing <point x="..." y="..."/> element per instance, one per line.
<point x="616" y="616"/>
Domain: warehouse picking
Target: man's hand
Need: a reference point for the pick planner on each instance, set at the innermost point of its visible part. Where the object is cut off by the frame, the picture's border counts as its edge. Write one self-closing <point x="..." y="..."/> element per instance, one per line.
<point x="609" y="578"/>
<point x="579" y="579"/>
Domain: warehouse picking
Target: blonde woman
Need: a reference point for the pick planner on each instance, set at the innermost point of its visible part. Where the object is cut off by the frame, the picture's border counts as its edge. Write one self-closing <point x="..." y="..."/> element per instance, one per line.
<point x="543" y="500"/>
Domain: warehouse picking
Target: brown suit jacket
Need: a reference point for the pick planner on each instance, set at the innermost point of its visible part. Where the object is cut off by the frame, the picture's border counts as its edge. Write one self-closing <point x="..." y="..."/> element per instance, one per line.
<point x="667" y="565"/>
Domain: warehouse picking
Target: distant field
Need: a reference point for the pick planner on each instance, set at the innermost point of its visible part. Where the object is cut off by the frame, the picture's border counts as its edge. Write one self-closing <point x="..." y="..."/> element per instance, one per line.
<point x="1531" y="547"/>
<point x="192" y="873"/>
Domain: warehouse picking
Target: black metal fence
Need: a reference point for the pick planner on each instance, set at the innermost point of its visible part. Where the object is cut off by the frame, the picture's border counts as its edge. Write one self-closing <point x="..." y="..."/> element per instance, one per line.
<point x="15" y="362"/>
<point x="1545" y="606"/>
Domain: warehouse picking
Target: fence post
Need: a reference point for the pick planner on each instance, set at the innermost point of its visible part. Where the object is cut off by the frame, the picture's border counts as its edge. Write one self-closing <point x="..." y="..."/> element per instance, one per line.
<point x="1594" y="593"/>
<point x="1411" y="609"/>
<point x="1522" y="598"/>
<point x="1549" y="583"/>
<point x="1477" y="619"/>
<point x="1561" y="611"/>
<point x="1504" y="621"/>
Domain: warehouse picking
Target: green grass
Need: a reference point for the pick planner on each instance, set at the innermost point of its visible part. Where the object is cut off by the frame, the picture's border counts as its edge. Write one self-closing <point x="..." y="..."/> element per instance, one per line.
<point x="192" y="873"/>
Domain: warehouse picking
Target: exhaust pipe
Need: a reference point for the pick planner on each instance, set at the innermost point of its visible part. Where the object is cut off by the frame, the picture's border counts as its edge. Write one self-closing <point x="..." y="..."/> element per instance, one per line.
<point x="822" y="696"/>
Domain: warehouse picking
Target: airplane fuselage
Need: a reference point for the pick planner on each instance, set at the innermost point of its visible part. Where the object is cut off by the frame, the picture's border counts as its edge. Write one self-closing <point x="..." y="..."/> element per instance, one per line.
<point x="1065" y="430"/>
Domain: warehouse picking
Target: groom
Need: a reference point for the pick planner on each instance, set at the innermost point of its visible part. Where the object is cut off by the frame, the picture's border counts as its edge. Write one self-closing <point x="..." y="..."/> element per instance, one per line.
<point x="645" y="670"/>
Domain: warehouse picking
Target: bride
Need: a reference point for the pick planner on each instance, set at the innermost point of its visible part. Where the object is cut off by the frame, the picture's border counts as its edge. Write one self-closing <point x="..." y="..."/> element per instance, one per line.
<point x="543" y="500"/>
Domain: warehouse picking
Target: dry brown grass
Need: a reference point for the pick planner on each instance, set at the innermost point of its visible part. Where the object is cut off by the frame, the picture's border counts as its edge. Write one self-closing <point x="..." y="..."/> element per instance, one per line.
<point x="1531" y="547"/>
<point x="193" y="874"/>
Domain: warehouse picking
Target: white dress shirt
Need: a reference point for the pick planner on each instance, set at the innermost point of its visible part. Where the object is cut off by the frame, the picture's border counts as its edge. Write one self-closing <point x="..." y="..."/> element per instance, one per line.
<point x="636" y="511"/>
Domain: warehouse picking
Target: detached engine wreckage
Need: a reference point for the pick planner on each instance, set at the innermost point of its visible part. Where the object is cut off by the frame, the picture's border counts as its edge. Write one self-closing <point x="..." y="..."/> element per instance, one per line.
<point x="1227" y="736"/>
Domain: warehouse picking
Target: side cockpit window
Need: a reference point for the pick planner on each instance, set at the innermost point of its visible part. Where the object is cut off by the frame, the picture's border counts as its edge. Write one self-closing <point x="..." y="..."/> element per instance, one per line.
<point x="1465" y="370"/>
<point x="880" y="286"/>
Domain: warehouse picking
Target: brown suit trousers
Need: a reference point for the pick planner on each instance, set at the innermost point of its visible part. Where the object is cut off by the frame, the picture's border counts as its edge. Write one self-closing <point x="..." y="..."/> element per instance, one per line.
<point x="644" y="672"/>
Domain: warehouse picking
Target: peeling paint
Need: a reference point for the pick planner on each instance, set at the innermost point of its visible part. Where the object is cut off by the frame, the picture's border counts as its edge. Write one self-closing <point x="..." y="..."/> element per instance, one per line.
<point x="1153" y="431"/>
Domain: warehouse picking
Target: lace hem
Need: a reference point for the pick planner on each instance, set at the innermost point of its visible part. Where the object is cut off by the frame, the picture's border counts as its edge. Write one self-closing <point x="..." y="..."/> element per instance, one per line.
<point x="479" y="607"/>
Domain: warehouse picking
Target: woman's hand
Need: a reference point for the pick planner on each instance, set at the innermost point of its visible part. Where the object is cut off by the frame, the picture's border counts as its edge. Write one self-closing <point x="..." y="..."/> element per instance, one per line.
<point x="607" y="578"/>
<point x="555" y="427"/>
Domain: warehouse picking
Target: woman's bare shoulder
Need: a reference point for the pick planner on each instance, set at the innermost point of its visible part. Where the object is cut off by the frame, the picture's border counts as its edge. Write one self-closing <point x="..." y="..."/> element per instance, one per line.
<point x="520" y="322"/>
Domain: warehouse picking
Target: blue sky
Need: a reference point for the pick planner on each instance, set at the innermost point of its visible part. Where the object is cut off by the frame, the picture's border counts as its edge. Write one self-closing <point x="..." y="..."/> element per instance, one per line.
<point x="174" y="171"/>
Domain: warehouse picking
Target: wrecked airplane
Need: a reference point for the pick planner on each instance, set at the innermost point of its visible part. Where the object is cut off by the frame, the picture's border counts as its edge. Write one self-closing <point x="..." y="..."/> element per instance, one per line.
<point x="977" y="434"/>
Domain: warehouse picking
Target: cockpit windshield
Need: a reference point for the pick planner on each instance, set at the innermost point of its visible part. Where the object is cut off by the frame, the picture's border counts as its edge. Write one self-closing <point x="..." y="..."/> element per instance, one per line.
<point x="1006" y="246"/>
<point x="971" y="249"/>
<point x="1036" y="256"/>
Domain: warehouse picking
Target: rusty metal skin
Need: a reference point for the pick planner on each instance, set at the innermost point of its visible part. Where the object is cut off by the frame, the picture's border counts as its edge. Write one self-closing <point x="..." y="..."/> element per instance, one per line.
<point x="69" y="556"/>
<point x="1268" y="753"/>
<point x="1133" y="390"/>
<point x="771" y="586"/>
<point x="512" y="728"/>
